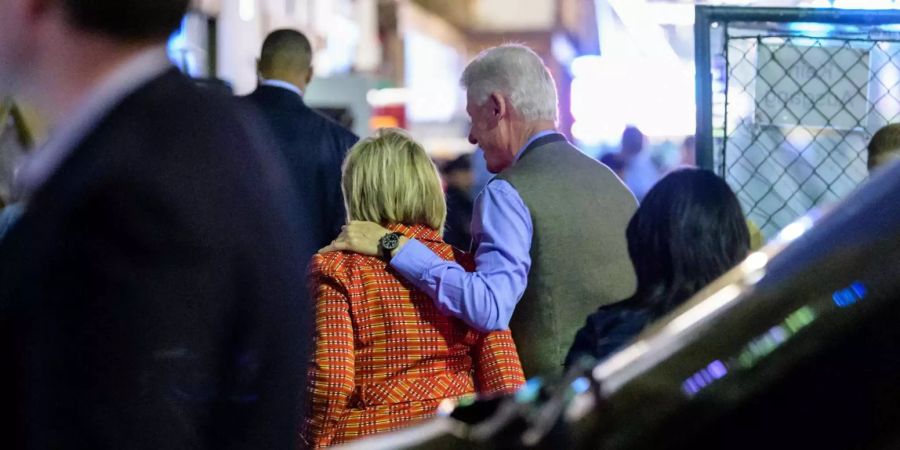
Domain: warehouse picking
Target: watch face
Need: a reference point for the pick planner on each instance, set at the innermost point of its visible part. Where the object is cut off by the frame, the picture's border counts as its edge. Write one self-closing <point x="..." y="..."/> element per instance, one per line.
<point x="390" y="241"/>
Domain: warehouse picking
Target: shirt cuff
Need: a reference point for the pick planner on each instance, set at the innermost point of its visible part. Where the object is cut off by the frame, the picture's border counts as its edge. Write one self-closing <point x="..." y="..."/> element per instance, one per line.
<point x="414" y="260"/>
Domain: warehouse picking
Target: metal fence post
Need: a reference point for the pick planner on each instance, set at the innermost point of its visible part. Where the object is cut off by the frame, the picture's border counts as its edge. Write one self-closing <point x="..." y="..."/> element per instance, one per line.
<point x="704" y="95"/>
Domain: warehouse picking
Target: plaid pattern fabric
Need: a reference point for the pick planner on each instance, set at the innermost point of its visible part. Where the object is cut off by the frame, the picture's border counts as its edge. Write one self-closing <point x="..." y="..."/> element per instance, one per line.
<point x="385" y="355"/>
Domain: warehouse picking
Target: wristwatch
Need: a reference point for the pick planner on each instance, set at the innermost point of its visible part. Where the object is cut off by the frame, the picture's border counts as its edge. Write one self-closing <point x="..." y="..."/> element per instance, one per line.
<point x="388" y="243"/>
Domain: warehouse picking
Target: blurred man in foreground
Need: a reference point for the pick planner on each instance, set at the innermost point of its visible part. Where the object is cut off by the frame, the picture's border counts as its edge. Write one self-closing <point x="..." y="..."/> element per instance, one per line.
<point x="148" y="295"/>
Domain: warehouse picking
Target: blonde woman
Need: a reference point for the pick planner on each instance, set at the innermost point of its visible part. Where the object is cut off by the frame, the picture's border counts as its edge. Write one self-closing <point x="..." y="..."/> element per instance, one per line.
<point x="385" y="355"/>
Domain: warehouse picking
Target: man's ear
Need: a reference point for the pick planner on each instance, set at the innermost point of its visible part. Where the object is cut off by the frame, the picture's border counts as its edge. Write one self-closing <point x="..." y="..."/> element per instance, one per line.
<point x="498" y="105"/>
<point x="309" y="74"/>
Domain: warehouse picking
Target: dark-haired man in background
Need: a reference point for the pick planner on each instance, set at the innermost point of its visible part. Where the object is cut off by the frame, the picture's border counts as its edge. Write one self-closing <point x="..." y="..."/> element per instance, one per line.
<point x="312" y="145"/>
<point x="149" y="294"/>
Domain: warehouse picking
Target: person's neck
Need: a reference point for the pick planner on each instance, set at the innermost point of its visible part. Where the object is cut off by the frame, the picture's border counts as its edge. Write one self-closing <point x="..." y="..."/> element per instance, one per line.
<point x="529" y="129"/>
<point x="287" y="78"/>
<point x="67" y="71"/>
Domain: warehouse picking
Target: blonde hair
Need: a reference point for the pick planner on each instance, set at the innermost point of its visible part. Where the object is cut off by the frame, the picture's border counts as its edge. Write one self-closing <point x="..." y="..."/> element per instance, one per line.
<point x="389" y="179"/>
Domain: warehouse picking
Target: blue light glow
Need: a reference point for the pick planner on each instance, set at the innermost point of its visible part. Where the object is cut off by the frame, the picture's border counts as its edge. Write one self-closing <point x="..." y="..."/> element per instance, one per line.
<point x="755" y="350"/>
<point x="703" y="378"/>
<point x="177" y="47"/>
<point x="581" y="385"/>
<point x="849" y="296"/>
<point x="529" y="392"/>
<point x="811" y="27"/>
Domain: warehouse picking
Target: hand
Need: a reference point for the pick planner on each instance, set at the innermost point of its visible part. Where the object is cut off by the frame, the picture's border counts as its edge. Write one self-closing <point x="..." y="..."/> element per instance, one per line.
<point x="359" y="237"/>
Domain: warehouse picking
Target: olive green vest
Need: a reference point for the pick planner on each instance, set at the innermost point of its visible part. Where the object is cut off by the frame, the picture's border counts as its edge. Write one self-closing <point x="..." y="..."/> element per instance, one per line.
<point x="579" y="256"/>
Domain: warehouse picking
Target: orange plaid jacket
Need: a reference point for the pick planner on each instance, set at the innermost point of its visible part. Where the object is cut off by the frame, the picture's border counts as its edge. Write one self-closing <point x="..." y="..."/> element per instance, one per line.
<point x="385" y="356"/>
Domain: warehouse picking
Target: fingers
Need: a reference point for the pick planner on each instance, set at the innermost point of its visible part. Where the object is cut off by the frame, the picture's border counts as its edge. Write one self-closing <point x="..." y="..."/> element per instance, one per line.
<point x="344" y="243"/>
<point x="359" y="237"/>
<point x="327" y="248"/>
<point x="332" y="247"/>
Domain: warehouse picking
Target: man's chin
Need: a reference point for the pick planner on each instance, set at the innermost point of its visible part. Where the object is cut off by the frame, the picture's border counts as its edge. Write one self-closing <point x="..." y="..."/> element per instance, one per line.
<point x="497" y="168"/>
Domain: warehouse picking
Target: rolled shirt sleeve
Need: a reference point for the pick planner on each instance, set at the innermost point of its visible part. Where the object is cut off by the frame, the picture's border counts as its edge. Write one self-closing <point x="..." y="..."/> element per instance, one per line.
<point x="485" y="299"/>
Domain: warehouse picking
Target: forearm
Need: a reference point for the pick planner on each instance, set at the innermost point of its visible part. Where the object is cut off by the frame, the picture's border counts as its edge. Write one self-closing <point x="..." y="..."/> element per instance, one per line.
<point x="485" y="299"/>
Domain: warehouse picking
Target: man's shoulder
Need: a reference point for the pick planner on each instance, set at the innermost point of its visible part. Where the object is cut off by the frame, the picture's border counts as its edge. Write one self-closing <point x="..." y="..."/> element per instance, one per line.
<point x="174" y="99"/>
<point x="170" y="124"/>
<point x="558" y="160"/>
<point x="158" y="119"/>
<point x="302" y="117"/>
<point x="556" y="153"/>
<point x="498" y="191"/>
<point x="329" y="125"/>
<point x="498" y="186"/>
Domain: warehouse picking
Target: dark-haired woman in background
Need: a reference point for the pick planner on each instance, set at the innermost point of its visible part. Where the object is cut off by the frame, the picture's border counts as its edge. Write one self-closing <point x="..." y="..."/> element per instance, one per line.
<point x="688" y="231"/>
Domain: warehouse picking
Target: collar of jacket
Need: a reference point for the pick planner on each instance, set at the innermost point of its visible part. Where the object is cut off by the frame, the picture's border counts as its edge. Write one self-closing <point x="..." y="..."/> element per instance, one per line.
<point x="418" y="232"/>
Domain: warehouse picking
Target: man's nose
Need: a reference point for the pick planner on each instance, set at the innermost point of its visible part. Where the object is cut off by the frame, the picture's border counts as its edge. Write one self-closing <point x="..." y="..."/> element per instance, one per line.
<point x="472" y="139"/>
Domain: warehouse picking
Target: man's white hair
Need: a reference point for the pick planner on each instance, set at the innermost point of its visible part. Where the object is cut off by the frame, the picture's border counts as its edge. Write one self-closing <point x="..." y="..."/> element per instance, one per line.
<point x="519" y="73"/>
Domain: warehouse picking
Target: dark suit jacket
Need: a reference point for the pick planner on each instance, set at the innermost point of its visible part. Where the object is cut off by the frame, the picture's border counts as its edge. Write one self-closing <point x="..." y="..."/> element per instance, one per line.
<point x="152" y="294"/>
<point x="314" y="148"/>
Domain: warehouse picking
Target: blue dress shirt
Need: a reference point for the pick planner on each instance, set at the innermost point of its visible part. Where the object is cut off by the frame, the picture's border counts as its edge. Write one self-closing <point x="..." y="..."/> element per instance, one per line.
<point x="501" y="232"/>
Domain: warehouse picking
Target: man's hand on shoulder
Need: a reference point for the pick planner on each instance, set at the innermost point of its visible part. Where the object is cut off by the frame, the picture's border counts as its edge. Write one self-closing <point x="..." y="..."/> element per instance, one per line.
<point x="361" y="237"/>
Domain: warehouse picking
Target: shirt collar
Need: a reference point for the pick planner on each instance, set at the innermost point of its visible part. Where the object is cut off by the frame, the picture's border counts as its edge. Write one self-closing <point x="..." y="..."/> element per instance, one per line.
<point x="281" y="84"/>
<point x="531" y="140"/>
<point x="100" y="99"/>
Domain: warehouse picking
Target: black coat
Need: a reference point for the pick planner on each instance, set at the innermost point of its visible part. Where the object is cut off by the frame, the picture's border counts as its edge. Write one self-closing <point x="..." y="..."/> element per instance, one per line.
<point x="152" y="294"/>
<point x="608" y="330"/>
<point x="314" y="148"/>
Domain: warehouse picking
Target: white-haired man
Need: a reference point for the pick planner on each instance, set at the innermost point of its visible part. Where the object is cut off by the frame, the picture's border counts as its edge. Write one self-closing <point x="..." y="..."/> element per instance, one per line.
<point x="548" y="230"/>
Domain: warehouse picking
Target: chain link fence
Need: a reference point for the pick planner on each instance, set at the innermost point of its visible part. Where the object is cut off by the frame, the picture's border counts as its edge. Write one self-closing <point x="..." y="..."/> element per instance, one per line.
<point x="793" y="107"/>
